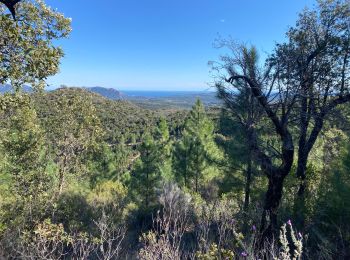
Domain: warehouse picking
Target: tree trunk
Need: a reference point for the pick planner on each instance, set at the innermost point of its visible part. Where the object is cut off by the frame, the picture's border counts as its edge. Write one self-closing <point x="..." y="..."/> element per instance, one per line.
<point x="269" y="224"/>
<point x="147" y="189"/>
<point x="62" y="175"/>
<point x="301" y="172"/>
<point x="303" y="128"/>
<point x="186" y="171"/>
<point x="248" y="182"/>
<point x="61" y="183"/>
<point x="299" y="203"/>
<point x="305" y="146"/>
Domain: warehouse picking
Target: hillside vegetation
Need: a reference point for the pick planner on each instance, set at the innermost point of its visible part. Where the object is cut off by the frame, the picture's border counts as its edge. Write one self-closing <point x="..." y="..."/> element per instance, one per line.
<point x="264" y="174"/>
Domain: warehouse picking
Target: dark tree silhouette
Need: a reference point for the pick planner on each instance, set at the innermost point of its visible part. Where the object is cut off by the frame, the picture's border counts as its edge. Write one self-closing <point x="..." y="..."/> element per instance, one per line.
<point x="304" y="80"/>
<point x="10" y="4"/>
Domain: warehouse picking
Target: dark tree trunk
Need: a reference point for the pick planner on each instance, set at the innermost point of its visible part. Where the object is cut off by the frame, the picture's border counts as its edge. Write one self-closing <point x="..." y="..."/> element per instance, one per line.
<point x="248" y="182"/>
<point x="299" y="203"/>
<point x="305" y="146"/>
<point x="147" y="190"/>
<point x="303" y="128"/>
<point x="301" y="170"/>
<point x="275" y="174"/>
<point x="269" y="223"/>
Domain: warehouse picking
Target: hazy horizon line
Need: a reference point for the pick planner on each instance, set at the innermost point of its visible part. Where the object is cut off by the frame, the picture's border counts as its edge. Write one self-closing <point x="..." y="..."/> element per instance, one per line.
<point x="137" y="89"/>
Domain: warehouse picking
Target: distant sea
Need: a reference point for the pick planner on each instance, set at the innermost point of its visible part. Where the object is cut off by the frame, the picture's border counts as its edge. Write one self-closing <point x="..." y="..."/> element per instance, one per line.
<point x="162" y="94"/>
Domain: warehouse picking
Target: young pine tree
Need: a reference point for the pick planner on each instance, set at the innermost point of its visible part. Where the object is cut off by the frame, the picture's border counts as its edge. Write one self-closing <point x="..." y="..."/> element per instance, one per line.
<point x="164" y="147"/>
<point x="196" y="151"/>
<point x="146" y="174"/>
<point x="110" y="163"/>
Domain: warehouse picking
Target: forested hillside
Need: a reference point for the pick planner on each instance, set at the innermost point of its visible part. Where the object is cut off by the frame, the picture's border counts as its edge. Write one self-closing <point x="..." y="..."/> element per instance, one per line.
<point x="119" y="118"/>
<point x="263" y="175"/>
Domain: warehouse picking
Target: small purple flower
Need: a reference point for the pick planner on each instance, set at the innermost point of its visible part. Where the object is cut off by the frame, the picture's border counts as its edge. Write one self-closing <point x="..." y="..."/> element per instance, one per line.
<point x="300" y="235"/>
<point x="244" y="254"/>
<point x="254" y="228"/>
<point x="289" y="222"/>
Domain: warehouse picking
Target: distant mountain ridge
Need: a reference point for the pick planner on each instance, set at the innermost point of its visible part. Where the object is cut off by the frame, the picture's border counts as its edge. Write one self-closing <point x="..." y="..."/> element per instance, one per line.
<point x="145" y="99"/>
<point x="7" y="88"/>
<point x="110" y="93"/>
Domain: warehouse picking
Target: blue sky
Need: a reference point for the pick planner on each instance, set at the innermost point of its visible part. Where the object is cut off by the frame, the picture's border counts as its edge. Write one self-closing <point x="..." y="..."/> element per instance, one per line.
<point x="162" y="44"/>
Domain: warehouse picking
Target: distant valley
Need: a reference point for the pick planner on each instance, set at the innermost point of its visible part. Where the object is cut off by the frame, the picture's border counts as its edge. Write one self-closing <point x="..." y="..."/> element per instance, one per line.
<point x="148" y="99"/>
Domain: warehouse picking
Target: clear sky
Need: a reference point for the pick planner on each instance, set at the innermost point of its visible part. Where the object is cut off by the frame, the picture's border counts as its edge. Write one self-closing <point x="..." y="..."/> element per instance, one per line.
<point x="162" y="44"/>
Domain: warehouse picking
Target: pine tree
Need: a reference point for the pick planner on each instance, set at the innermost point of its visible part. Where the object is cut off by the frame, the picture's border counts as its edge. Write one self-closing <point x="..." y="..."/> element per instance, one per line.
<point x="162" y="134"/>
<point x="182" y="159"/>
<point x="110" y="163"/>
<point x="122" y="157"/>
<point x="146" y="175"/>
<point x="102" y="166"/>
<point x="196" y="150"/>
<point x="240" y="128"/>
<point x="164" y="147"/>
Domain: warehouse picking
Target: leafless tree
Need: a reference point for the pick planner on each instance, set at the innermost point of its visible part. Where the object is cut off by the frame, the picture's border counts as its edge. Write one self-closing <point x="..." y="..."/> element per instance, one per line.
<point x="83" y="246"/>
<point x="216" y="225"/>
<point x="111" y="238"/>
<point x="169" y="226"/>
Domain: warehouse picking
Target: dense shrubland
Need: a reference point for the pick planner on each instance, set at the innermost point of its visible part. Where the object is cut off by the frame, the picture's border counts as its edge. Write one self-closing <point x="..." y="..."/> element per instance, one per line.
<point x="165" y="196"/>
<point x="264" y="177"/>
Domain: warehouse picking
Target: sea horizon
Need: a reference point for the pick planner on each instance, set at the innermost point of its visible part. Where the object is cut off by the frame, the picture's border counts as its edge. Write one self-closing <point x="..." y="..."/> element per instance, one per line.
<point x="163" y="93"/>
